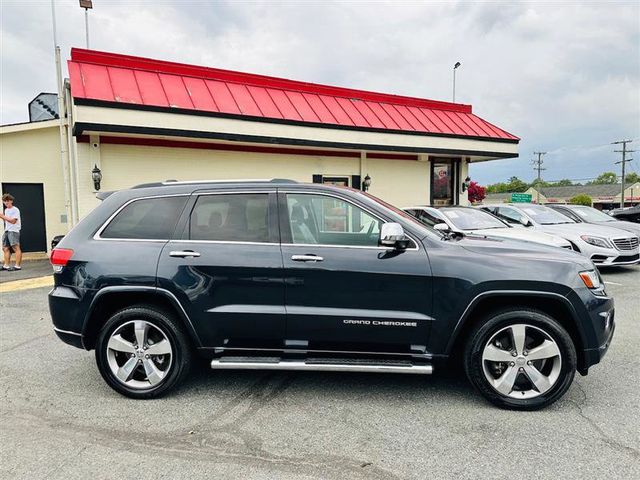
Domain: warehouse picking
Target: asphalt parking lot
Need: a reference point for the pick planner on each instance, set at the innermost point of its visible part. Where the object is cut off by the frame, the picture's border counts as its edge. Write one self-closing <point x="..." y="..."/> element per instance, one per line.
<point x="58" y="419"/>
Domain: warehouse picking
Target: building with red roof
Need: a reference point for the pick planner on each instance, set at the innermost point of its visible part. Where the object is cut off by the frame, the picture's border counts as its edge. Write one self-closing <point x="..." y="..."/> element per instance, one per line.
<point x="139" y="120"/>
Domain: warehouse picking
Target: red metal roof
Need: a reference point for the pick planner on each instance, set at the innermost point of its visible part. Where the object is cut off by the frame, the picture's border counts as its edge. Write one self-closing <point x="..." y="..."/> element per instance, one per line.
<point x="107" y="77"/>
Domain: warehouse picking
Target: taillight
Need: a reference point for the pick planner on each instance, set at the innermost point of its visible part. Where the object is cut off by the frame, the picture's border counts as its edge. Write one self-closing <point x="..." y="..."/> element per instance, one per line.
<point x="60" y="257"/>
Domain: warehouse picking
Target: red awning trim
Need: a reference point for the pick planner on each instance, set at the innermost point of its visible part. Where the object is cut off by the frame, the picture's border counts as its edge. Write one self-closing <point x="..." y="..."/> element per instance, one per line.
<point x="140" y="82"/>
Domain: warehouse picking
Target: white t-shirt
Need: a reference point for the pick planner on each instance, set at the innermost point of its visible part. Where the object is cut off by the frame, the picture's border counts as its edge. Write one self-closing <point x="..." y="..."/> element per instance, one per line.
<point x="12" y="212"/>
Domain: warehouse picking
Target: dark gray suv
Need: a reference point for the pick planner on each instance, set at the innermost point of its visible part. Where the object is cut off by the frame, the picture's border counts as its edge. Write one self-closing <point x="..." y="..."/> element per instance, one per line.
<point x="281" y="275"/>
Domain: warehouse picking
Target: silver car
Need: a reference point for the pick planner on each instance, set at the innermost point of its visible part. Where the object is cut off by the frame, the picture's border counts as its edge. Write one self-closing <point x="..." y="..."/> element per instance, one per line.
<point x="584" y="214"/>
<point x="605" y="246"/>
<point x="469" y="220"/>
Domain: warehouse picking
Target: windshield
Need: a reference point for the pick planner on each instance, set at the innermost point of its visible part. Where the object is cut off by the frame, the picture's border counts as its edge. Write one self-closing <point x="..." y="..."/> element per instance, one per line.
<point x="545" y="215"/>
<point x="471" y="219"/>
<point x="592" y="215"/>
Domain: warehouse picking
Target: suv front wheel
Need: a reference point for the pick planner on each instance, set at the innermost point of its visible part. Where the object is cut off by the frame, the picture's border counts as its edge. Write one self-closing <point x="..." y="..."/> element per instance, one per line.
<point x="142" y="352"/>
<point x="520" y="359"/>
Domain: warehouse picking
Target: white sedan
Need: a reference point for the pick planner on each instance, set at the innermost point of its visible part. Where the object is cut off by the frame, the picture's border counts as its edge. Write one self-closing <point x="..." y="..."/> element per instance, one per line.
<point x="469" y="220"/>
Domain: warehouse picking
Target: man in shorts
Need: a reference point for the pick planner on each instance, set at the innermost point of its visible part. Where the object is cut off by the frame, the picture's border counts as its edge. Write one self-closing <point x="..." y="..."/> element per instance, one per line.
<point x="11" y="235"/>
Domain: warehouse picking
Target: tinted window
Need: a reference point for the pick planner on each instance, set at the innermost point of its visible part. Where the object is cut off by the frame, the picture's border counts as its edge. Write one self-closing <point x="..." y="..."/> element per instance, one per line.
<point x="510" y="215"/>
<point x="151" y="218"/>
<point x="234" y="218"/>
<point x="320" y="219"/>
<point x="427" y="218"/>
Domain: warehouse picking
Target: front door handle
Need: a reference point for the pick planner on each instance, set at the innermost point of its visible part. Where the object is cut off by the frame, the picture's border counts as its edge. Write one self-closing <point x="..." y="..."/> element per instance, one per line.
<point x="183" y="253"/>
<point x="306" y="258"/>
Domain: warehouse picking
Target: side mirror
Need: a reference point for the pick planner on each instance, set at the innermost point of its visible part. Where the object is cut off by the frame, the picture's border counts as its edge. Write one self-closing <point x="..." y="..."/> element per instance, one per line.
<point x="526" y="222"/>
<point x="442" y="227"/>
<point x="392" y="235"/>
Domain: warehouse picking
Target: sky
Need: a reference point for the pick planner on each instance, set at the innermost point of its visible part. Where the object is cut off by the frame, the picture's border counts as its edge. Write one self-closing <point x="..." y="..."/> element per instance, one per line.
<point x="563" y="76"/>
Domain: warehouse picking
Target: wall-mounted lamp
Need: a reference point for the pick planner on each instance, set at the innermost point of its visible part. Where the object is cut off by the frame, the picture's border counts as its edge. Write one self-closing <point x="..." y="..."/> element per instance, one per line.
<point x="366" y="183"/>
<point x="96" y="176"/>
<point x="466" y="183"/>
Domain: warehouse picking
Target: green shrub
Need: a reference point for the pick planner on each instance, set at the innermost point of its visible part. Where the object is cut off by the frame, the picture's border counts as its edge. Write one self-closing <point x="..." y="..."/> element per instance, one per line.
<point x="582" y="199"/>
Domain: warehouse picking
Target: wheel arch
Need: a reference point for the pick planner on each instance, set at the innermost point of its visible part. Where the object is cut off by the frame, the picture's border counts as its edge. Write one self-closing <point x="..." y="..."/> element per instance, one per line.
<point x="553" y="304"/>
<point x="109" y="300"/>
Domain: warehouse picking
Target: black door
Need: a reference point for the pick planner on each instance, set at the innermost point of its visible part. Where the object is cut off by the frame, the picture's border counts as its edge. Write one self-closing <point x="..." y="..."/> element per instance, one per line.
<point x="227" y="269"/>
<point x="29" y="198"/>
<point x="344" y="292"/>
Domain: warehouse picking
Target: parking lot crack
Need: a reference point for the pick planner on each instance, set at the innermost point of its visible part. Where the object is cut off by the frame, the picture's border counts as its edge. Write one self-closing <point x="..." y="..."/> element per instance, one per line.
<point x="635" y="453"/>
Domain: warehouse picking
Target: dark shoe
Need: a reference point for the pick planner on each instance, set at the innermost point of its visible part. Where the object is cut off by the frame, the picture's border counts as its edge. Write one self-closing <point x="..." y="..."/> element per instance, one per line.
<point x="16" y="268"/>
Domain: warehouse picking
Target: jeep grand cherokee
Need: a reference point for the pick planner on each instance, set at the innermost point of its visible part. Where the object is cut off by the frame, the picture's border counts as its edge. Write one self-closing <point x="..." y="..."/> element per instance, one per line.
<point x="282" y="275"/>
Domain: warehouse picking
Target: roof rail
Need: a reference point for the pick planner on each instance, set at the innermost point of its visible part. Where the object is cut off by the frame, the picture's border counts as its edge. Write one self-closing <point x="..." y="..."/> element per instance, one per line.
<point x="198" y="182"/>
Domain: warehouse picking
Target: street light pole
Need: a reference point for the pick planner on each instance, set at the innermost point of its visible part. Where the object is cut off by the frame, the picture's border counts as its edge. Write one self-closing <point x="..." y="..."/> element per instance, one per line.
<point x="86" y="4"/>
<point x="455" y="67"/>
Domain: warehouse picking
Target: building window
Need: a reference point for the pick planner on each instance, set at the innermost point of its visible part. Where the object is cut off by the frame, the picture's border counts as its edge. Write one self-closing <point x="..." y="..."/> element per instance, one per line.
<point x="443" y="175"/>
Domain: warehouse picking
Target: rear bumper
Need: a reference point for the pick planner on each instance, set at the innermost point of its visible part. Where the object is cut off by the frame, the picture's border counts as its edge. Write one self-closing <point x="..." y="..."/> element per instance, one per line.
<point x="71" y="338"/>
<point x="65" y="306"/>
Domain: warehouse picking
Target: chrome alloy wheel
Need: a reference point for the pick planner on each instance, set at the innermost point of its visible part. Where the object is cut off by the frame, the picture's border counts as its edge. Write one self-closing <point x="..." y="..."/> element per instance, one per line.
<point x="139" y="354"/>
<point x="521" y="361"/>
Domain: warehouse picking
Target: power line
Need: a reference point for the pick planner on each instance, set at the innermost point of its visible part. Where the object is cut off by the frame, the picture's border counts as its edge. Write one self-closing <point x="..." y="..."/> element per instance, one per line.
<point x="624" y="161"/>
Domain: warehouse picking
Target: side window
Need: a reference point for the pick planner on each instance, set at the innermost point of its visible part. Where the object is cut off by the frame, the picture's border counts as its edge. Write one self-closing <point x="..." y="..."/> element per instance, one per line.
<point x="510" y="215"/>
<point x="325" y="220"/>
<point x="231" y="218"/>
<point x="150" y="218"/>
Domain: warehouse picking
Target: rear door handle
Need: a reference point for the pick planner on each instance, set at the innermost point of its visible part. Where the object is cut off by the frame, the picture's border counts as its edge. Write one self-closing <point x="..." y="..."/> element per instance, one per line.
<point x="306" y="258"/>
<point x="183" y="253"/>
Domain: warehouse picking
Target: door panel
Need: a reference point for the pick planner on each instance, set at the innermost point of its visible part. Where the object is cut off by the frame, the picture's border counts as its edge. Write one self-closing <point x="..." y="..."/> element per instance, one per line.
<point x="29" y="198"/>
<point x="232" y="285"/>
<point x="351" y="296"/>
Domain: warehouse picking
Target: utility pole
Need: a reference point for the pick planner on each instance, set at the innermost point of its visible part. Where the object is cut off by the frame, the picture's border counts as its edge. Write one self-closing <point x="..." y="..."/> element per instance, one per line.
<point x="624" y="160"/>
<point x="537" y="165"/>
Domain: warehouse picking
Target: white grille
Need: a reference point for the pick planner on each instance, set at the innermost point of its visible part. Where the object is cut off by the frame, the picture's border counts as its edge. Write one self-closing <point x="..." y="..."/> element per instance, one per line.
<point x="629" y="243"/>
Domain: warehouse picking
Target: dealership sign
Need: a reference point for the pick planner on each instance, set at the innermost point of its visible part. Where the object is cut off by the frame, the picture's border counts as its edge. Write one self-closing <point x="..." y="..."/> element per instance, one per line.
<point x="521" y="197"/>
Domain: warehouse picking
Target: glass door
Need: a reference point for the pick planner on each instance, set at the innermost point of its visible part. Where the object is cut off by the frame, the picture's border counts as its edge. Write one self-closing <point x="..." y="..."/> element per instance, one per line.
<point x="442" y="182"/>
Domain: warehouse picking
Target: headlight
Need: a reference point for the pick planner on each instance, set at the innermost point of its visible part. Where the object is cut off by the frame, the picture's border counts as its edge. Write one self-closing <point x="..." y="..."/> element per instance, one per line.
<point x="591" y="279"/>
<point x="597" y="241"/>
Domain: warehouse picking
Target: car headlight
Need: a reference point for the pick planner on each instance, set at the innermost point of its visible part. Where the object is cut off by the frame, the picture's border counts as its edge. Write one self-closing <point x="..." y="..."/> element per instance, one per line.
<point x="596" y="241"/>
<point x="593" y="282"/>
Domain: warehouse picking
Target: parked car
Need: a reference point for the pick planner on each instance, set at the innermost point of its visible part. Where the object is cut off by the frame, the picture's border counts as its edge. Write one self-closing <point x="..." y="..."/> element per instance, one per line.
<point x="630" y="214"/>
<point x="584" y="214"/>
<point x="281" y="275"/>
<point x="604" y="246"/>
<point x="470" y="220"/>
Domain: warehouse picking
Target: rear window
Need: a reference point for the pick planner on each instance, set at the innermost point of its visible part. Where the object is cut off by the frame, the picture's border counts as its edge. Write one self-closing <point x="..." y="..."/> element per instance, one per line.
<point x="149" y="218"/>
<point x="231" y="218"/>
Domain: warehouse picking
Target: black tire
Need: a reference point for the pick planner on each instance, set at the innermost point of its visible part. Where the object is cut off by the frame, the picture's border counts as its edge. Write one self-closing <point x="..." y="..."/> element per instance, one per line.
<point x="490" y="326"/>
<point x="181" y="350"/>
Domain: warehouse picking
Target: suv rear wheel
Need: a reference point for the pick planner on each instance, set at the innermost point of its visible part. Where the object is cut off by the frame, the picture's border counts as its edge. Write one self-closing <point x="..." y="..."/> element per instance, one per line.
<point x="520" y="359"/>
<point x="142" y="352"/>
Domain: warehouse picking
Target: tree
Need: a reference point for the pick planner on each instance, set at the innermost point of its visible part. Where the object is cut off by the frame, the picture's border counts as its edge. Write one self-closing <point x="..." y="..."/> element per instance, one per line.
<point x="606" y="178"/>
<point x="582" y="199"/>
<point x="632" y="177"/>
<point x="476" y="192"/>
<point x="513" y="185"/>
<point x="565" y="182"/>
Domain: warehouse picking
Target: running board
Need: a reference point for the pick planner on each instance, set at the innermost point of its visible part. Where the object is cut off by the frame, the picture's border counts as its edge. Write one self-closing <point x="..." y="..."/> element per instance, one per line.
<point x="321" y="365"/>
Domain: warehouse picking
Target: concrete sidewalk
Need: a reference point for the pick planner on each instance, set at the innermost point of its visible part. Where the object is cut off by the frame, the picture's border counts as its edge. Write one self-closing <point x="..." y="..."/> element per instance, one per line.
<point x="30" y="269"/>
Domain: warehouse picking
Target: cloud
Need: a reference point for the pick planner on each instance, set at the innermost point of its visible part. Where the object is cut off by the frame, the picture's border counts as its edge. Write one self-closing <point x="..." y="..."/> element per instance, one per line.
<point x="559" y="75"/>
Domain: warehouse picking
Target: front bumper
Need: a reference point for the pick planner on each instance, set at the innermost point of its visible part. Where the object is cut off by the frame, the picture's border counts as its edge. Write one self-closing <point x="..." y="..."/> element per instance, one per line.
<point x="608" y="256"/>
<point x="601" y="317"/>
